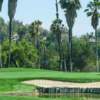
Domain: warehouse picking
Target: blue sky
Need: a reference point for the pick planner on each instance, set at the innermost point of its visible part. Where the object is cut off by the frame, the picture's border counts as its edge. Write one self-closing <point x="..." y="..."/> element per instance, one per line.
<point x="44" y="10"/>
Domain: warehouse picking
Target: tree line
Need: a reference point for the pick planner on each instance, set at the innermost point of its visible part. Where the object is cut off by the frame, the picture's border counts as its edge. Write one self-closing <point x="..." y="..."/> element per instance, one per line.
<point x="56" y="49"/>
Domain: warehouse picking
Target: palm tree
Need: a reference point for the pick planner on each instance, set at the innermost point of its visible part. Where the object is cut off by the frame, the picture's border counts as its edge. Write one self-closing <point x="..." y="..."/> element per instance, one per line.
<point x="12" y="4"/>
<point x="92" y="11"/>
<point x="56" y="29"/>
<point x="35" y="33"/>
<point x="1" y="2"/>
<point x="70" y="8"/>
<point x="37" y="42"/>
<point x="37" y="25"/>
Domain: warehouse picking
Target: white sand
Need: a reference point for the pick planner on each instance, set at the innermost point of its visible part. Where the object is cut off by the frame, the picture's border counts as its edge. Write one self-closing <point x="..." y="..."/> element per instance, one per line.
<point x="60" y="84"/>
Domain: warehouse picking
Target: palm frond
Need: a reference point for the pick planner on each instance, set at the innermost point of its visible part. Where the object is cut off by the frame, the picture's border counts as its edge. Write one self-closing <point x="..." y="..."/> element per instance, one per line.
<point x="95" y="19"/>
<point x="70" y="7"/>
<point x="86" y="10"/>
<point x="1" y="2"/>
<point x="99" y="15"/>
<point x="97" y="4"/>
<point x="12" y="4"/>
<point x="78" y="4"/>
<point x="63" y="3"/>
<point x="89" y="14"/>
<point x="70" y="3"/>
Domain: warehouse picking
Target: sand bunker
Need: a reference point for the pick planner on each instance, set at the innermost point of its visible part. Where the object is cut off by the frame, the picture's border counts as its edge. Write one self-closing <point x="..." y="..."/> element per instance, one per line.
<point x="60" y="84"/>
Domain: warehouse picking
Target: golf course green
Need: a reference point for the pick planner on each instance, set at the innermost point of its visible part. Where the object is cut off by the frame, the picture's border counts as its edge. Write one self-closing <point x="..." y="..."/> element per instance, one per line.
<point x="11" y="81"/>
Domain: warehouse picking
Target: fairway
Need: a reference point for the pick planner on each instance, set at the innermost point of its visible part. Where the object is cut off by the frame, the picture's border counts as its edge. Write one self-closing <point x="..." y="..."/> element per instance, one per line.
<point x="42" y="98"/>
<point x="11" y="79"/>
<point x="26" y="74"/>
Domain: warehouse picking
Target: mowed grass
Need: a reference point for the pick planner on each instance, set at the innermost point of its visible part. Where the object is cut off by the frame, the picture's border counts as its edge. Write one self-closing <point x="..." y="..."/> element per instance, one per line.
<point x="41" y="98"/>
<point x="11" y="78"/>
<point x="68" y="97"/>
<point x="26" y="74"/>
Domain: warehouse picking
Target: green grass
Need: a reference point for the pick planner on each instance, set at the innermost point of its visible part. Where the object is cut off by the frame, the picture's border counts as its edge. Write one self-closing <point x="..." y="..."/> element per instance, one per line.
<point x="41" y="98"/>
<point x="14" y="85"/>
<point x="50" y="98"/>
<point x="24" y="74"/>
<point x="11" y="78"/>
<point x="28" y="98"/>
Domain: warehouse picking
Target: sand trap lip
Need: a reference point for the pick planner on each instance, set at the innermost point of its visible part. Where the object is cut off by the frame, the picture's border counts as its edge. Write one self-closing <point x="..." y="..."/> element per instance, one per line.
<point x="60" y="84"/>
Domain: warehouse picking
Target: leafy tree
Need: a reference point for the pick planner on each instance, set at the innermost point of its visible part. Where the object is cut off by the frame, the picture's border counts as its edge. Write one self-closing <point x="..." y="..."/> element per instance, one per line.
<point x="83" y="54"/>
<point x="23" y="54"/>
<point x="70" y="8"/>
<point x="3" y="36"/>
<point x="1" y="2"/>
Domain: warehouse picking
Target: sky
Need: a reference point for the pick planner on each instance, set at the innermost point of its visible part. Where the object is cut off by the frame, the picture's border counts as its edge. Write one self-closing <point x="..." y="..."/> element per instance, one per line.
<point x="29" y="10"/>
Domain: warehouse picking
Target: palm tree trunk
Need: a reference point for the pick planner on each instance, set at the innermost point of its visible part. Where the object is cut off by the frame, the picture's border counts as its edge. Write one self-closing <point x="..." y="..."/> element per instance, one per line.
<point x="97" y="51"/>
<point x="70" y="50"/>
<point x="60" y="57"/>
<point x="10" y="35"/>
<point x="59" y="50"/>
